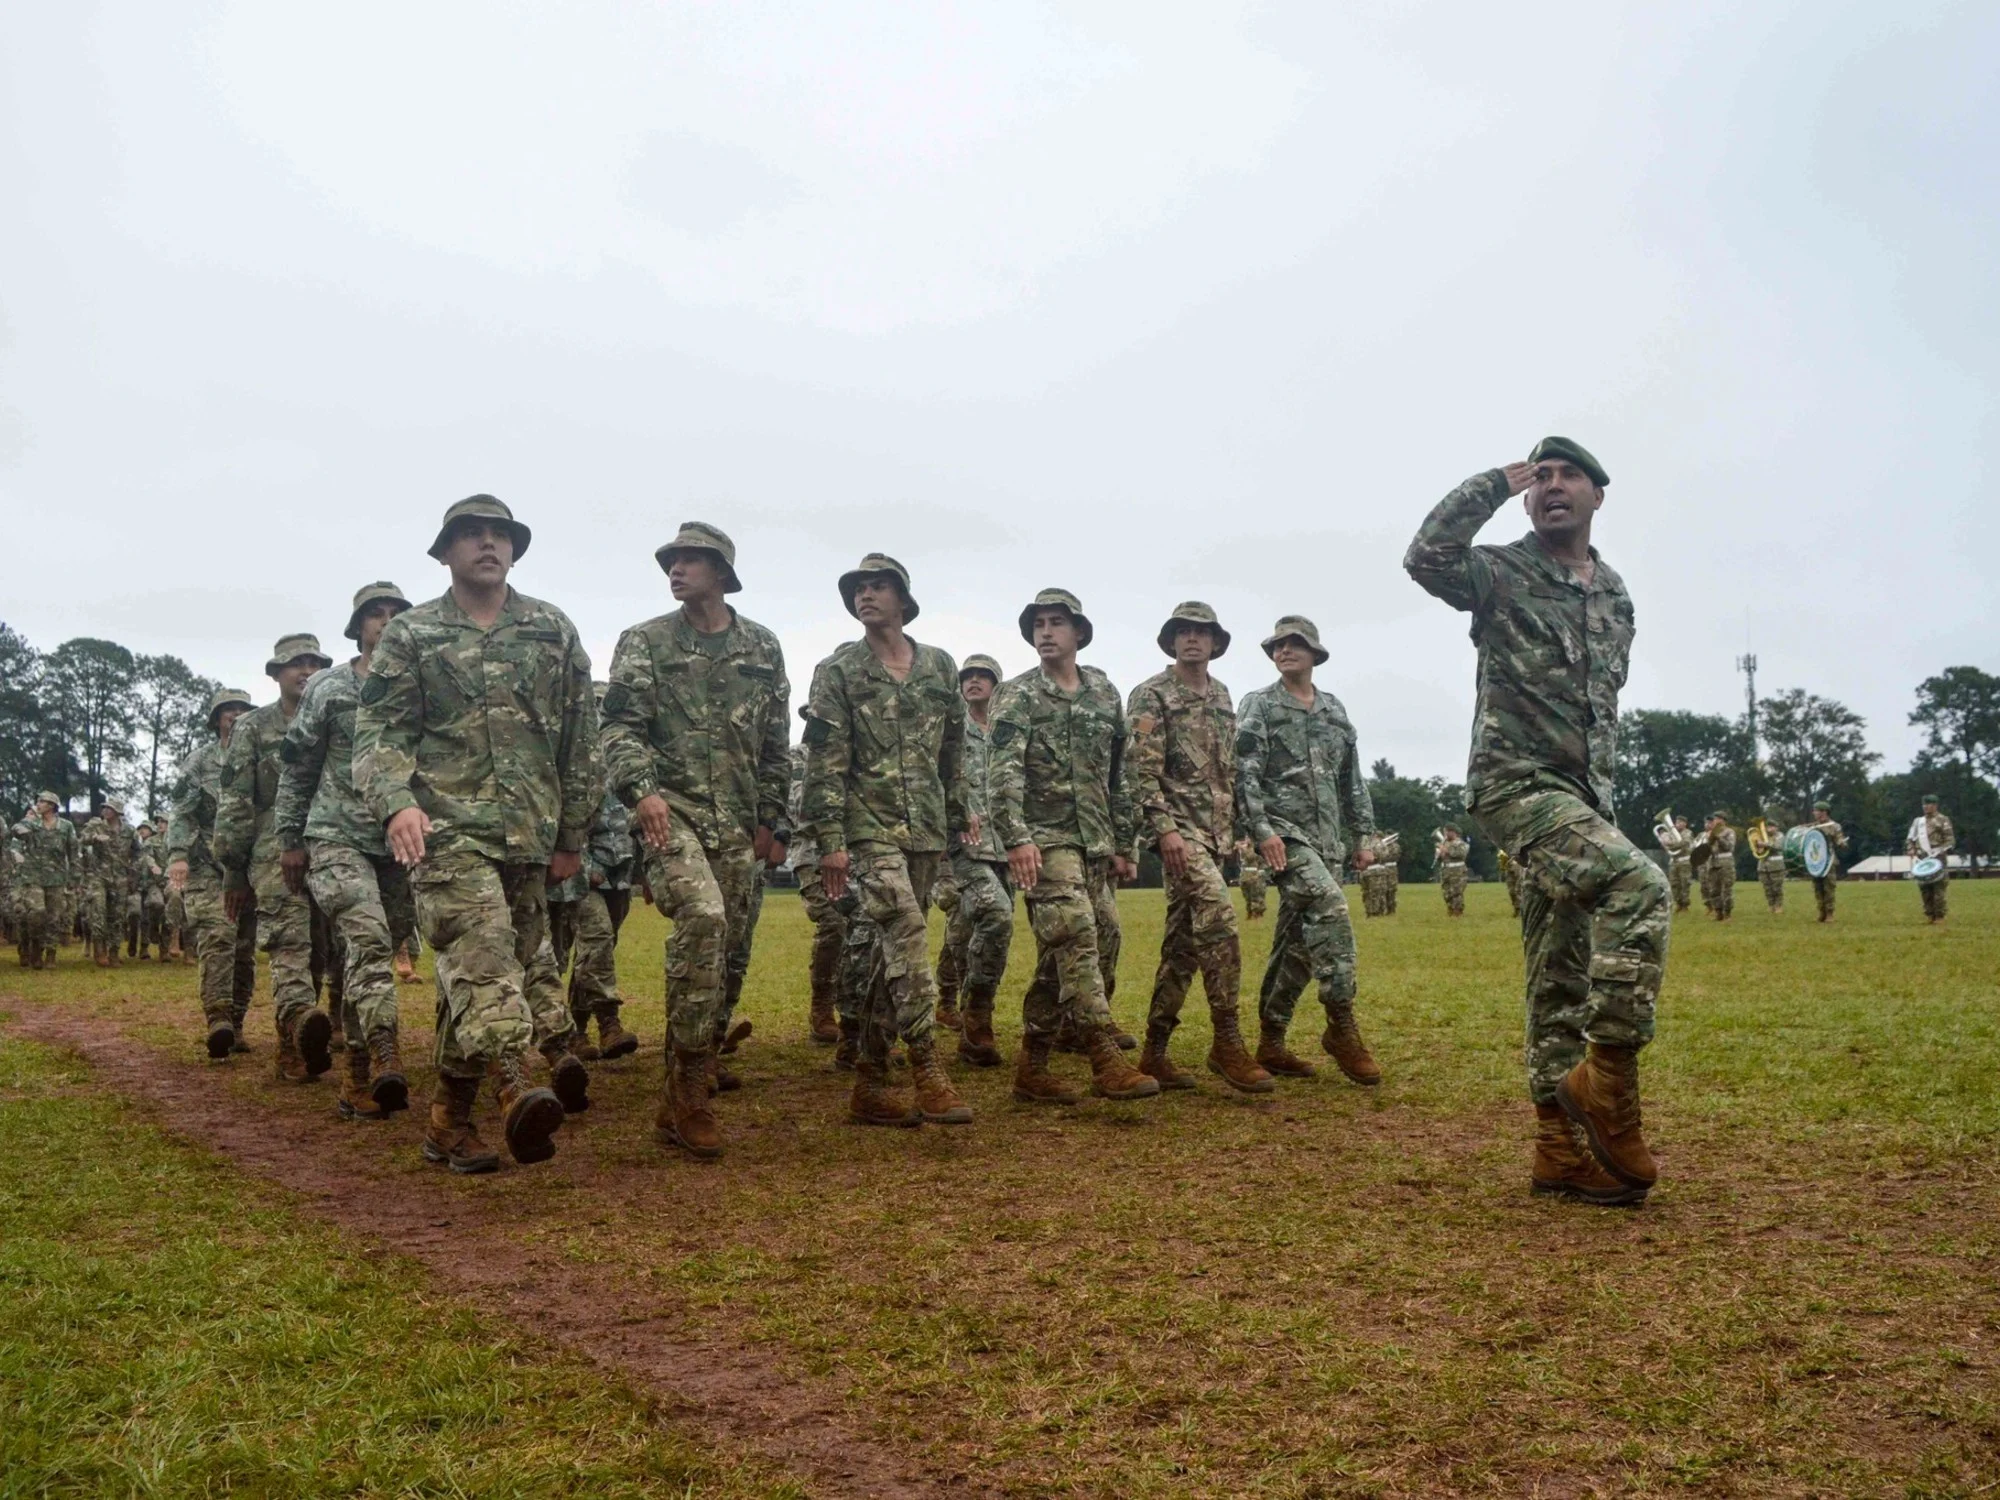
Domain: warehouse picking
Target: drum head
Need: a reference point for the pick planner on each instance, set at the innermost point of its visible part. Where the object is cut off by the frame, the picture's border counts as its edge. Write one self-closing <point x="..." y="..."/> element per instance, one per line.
<point x="1926" y="870"/>
<point x="1818" y="853"/>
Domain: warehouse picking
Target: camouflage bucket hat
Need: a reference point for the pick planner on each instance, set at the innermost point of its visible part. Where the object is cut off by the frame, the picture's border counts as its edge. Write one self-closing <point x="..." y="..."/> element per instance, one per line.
<point x="49" y="797"/>
<point x="144" y="828"/>
<point x="291" y="648"/>
<point x="699" y="536"/>
<point x="1193" y="612"/>
<point x="224" y="698"/>
<point x="1576" y="453"/>
<point x="1304" y="629"/>
<point x="368" y="594"/>
<point x="481" y="508"/>
<point x="877" y="563"/>
<point x="1061" y="599"/>
<point x="113" y="804"/>
<point x="979" y="662"/>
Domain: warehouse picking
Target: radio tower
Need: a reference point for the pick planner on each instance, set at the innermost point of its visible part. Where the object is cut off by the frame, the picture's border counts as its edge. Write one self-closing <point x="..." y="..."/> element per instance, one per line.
<point x="1747" y="665"/>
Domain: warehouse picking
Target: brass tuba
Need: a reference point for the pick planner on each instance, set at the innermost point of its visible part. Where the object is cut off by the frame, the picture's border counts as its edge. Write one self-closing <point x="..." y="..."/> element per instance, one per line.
<point x="1759" y="835"/>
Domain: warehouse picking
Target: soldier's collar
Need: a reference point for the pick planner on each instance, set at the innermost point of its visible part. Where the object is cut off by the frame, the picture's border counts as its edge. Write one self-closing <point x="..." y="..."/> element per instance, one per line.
<point x="684" y="627"/>
<point x="508" y="610"/>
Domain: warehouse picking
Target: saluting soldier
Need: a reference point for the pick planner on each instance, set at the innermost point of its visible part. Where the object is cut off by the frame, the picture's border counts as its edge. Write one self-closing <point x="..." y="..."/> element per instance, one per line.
<point x="1554" y="625"/>
<point x="1932" y="838"/>
<point x="1452" y="853"/>
<point x="225" y="941"/>
<point x="1826" y="888"/>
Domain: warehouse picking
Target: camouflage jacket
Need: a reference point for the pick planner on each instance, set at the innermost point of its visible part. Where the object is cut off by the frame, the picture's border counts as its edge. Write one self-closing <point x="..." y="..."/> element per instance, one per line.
<point x="1938" y="830"/>
<point x="1453" y="852"/>
<point x="109" y="854"/>
<point x="1298" y="773"/>
<point x="1553" y="652"/>
<point x="193" y="818"/>
<point x="802" y="851"/>
<point x="1677" y="845"/>
<point x="1181" y="764"/>
<point x="976" y="772"/>
<point x="317" y="797"/>
<point x="1722" y="845"/>
<point x="49" y="852"/>
<point x="1836" y="840"/>
<point x="491" y="732"/>
<point x="1056" y="778"/>
<point x="882" y="756"/>
<point x="148" y="873"/>
<point x="247" y="795"/>
<point x="611" y="852"/>
<point x="702" y="723"/>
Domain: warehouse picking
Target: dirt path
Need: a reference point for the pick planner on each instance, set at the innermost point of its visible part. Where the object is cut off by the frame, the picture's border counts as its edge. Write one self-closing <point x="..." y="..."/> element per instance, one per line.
<point x="737" y="1392"/>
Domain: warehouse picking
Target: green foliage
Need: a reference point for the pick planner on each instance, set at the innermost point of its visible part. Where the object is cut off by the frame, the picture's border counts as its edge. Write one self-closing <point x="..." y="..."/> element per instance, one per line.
<point x="31" y="753"/>
<point x="87" y="686"/>
<point x="1959" y="710"/>
<point x="170" y="709"/>
<point x="1694" y="764"/>
<point x="1815" y="747"/>
<point x="1416" y="810"/>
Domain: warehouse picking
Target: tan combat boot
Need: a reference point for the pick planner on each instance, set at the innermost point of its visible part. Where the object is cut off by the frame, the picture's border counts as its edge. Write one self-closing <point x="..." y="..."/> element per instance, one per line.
<point x="821" y="1023"/>
<point x="391" y="1088"/>
<point x="1111" y="1076"/>
<point x="569" y="1079"/>
<point x="685" y="1118"/>
<point x="1601" y="1094"/>
<point x="579" y="1037"/>
<point x="613" y="1040"/>
<point x="735" y="1037"/>
<point x="1342" y="1042"/>
<point x="873" y="1102"/>
<point x="937" y="1100"/>
<point x="848" y="1053"/>
<point x="1560" y="1169"/>
<point x="406" y="972"/>
<point x="1229" y="1059"/>
<point x="975" y="1043"/>
<point x="1275" y="1057"/>
<point x="451" y="1141"/>
<point x="530" y="1116"/>
<point x="291" y="1067"/>
<point x="948" y="1018"/>
<point x="1155" y="1063"/>
<point x="1033" y="1082"/>
<point x="357" y="1100"/>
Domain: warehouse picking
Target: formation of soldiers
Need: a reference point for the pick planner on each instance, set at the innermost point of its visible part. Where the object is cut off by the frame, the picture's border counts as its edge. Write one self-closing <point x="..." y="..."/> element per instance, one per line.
<point x="105" y="885"/>
<point x="462" y="777"/>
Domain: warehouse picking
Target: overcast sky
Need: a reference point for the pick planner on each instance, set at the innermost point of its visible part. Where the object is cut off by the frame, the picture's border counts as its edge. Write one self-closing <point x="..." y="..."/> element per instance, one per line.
<point x="1145" y="301"/>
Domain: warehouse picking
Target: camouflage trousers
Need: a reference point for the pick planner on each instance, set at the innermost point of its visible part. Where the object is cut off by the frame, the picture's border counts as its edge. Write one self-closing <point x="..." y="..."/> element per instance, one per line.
<point x="888" y="942"/>
<point x="487" y="923"/>
<point x="1200" y="937"/>
<point x="593" y="974"/>
<point x="285" y="933"/>
<point x="225" y="951"/>
<point x="1075" y="920"/>
<point x="1512" y="880"/>
<point x="34" y="906"/>
<point x="1314" y="939"/>
<point x="1594" y="930"/>
<point x="1718" y="885"/>
<point x="368" y="905"/>
<point x="708" y="896"/>
<point x="736" y="962"/>
<point x="1825" y="890"/>
<point x="829" y="938"/>
<point x="1680" y="876"/>
<point x="1253" y="883"/>
<point x="103" y="903"/>
<point x="146" y="922"/>
<point x="979" y="935"/>
<point x="1937" y="900"/>
<point x="1771" y="874"/>
<point x="1451" y="880"/>
<point x="1375" y="901"/>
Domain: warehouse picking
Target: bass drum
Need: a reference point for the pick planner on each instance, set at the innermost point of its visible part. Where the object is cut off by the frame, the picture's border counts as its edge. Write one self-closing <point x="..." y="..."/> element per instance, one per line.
<point x="1807" y="852"/>
<point x="1929" y="871"/>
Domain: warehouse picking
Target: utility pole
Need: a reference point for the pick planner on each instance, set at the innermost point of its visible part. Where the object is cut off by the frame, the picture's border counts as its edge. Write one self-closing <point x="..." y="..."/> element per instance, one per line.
<point x="1747" y="665"/>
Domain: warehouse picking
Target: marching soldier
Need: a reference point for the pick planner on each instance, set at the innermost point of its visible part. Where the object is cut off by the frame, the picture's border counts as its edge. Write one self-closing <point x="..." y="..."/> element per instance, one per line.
<point x="883" y="802"/>
<point x="148" y="923"/>
<point x="601" y="909"/>
<point x="1180" y="772"/>
<point x="828" y="1023"/>
<point x="225" y="942"/>
<point x="981" y="931"/>
<point x="47" y="844"/>
<point x="1826" y="888"/>
<point x="1718" y="877"/>
<point x="1554" y="629"/>
<point x="110" y="853"/>
<point x="332" y="847"/>
<point x="1771" y="871"/>
<point x="1677" y="839"/>
<point x="1452" y="853"/>
<point x="1061" y="809"/>
<point x="475" y="745"/>
<point x="1300" y="793"/>
<point x="1931" y="837"/>
<point x="245" y="844"/>
<point x="696" y="744"/>
<point x="1253" y="878"/>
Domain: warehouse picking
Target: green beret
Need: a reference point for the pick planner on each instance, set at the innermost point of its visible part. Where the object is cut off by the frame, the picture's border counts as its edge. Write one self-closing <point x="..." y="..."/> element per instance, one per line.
<point x="1576" y="453"/>
<point x="1930" y="796"/>
<point x="1825" y="807"/>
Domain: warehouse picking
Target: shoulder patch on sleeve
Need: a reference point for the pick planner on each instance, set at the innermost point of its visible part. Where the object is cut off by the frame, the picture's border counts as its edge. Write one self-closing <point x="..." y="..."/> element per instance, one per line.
<point x="818" y="732"/>
<point x="375" y="689"/>
<point x="1004" y="732"/>
<point x="1145" y="724"/>
<point x="617" y="698"/>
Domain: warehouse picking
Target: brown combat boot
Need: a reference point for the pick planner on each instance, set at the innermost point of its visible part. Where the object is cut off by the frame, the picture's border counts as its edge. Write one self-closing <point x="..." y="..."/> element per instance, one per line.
<point x="613" y="1040"/>
<point x="100" y="957"/>
<point x="1342" y="1042"/>
<point x="312" y="1035"/>
<point x="1229" y="1059"/>
<point x="821" y="1024"/>
<point x="1275" y="1057"/>
<point x="569" y="1079"/>
<point x="948" y="1017"/>
<point x="357" y="1100"/>
<point x="937" y="1100"/>
<point x="721" y="1080"/>
<point x="848" y="1053"/>
<point x="873" y="1102"/>
<point x="1157" y="1065"/>
<point x="579" y="1037"/>
<point x="1033" y="1082"/>
<point x="391" y="1089"/>
<point x="1562" y="1169"/>
<point x="291" y="1067"/>
<point x="736" y="1036"/>
<point x="1601" y="1094"/>
<point x="451" y="1141"/>
<point x="406" y="972"/>
<point x="531" y="1115"/>
<point x="221" y="1038"/>
<point x="685" y="1118"/>
<point x="975" y="1043"/>
<point x="1111" y="1076"/>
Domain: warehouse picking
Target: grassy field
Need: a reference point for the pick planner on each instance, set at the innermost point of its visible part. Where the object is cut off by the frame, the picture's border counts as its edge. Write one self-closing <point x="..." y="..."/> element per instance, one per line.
<point x="1319" y="1292"/>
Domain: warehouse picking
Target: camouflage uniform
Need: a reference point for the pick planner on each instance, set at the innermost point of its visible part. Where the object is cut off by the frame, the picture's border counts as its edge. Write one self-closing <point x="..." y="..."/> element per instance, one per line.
<point x="1375" y="884"/>
<point x="110" y="855"/>
<point x="1510" y="873"/>
<point x="148" y="909"/>
<point x="1180" y="775"/>
<point x="883" y="785"/>
<point x="700" y="721"/>
<point x="354" y="880"/>
<point x="1826" y="887"/>
<point x="1452" y="855"/>
<point x="1718" y="876"/>
<point x="1392" y="880"/>
<point x="225" y="950"/>
<point x="600" y="911"/>
<point x="829" y="923"/>
<point x="1680" y="869"/>
<point x="1056" y="780"/>
<point x="245" y="844"/>
<point x="1299" y="778"/>
<point x="492" y="733"/>
<point x="1938" y="833"/>
<point x="1553" y="653"/>
<point x="1771" y="874"/>
<point x="981" y="930"/>
<point x="42" y="874"/>
<point x="1252" y="877"/>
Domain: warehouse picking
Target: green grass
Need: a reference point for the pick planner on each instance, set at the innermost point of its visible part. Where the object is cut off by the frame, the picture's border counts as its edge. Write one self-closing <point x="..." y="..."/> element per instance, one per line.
<point x="1337" y="1292"/>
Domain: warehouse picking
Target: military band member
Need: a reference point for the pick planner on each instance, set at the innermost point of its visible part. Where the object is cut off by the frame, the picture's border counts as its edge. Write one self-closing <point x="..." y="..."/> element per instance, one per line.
<point x="1826" y="888"/>
<point x="1718" y="876"/>
<point x="1374" y="880"/>
<point x="1253" y="878"/>
<point x="981" y="930"/>
<point x="1554" y="627"/>
<point x="1180" y="771"/>
<point x="1931" y="837"/>
<point x="1678" y="842"/>
<point x="225" y="945"/>
<point x="1300" y="794"/>
<point x="1771" y="870"/>
<point x="1452" y="853"/>
<point x="1510" y="876"/>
